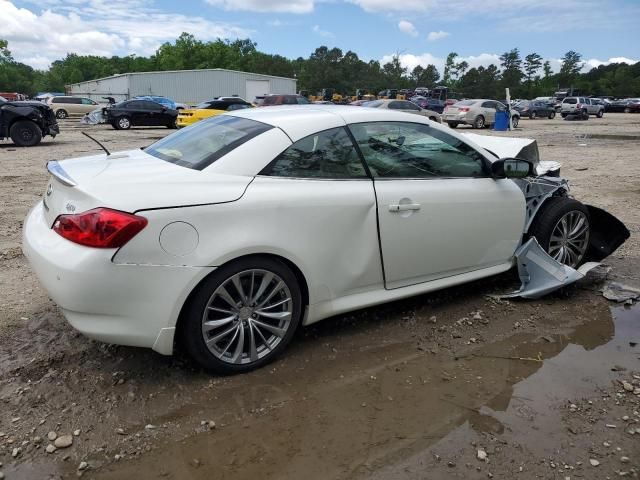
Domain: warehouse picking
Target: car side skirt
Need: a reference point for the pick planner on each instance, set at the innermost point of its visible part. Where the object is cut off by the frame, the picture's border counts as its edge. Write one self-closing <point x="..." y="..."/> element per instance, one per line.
<point x="328" y="308"/>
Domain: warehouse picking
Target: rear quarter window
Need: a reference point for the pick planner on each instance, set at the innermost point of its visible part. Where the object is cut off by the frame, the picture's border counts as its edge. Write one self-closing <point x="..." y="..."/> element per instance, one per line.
<point x="203" y="143"/>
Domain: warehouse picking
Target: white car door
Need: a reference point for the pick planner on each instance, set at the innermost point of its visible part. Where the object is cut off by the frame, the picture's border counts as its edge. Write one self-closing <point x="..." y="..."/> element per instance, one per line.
<point x="439" y="211"/>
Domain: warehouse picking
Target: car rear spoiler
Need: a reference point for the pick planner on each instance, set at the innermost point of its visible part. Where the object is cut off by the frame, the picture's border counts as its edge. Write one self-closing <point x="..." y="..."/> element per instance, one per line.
<point x="55" y="169"/>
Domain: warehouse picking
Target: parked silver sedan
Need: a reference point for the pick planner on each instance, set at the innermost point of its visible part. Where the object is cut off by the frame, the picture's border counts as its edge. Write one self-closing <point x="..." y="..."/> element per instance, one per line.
<point x="404" y="106"/>
<point x="479" y="113"/>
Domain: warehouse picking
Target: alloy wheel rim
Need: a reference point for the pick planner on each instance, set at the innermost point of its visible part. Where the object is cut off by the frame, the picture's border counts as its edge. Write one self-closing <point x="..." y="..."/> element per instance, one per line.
<point x="124" y="123"/>
<point x="247" y="316"/>
<point x="570" y="238"/>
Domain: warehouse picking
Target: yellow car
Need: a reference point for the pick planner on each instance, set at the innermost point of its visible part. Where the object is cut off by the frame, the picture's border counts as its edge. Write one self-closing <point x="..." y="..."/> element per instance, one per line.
<point x="210" y="108"/>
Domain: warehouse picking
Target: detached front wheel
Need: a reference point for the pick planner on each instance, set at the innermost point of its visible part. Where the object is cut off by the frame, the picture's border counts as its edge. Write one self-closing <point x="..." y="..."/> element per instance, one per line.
<point x="562" y="228"/>
<point x="243" y="316"/>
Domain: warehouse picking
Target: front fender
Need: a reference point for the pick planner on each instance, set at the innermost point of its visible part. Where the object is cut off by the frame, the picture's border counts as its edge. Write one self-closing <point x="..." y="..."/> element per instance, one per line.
<point x="607" y="233"/>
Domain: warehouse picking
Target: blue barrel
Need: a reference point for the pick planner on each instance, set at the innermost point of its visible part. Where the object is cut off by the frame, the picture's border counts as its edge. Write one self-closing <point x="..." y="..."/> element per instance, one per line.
<point x="502" y="121"/>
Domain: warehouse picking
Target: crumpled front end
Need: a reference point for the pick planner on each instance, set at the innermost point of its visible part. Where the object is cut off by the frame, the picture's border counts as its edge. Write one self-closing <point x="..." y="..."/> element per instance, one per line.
<point x="541" y="274"/>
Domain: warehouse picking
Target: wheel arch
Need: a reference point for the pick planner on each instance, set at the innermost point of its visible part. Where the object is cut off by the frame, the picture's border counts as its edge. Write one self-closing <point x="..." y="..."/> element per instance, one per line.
<point x="300" y="277"/>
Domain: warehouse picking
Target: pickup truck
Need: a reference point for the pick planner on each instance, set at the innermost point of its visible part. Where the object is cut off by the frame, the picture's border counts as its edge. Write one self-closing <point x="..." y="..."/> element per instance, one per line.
<point x="580" y="106"/>
<point x="26" y="122"/>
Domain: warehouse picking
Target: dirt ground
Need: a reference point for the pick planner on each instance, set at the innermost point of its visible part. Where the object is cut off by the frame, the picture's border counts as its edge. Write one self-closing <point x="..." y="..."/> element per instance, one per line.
<point x="448" y="385"/>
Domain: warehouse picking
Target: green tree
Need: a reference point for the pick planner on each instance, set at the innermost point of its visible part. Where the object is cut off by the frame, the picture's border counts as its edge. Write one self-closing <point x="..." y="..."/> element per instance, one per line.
<point x="570" y="67"/>
<point x="511" y="71"/>
<point x="449" y="68"/>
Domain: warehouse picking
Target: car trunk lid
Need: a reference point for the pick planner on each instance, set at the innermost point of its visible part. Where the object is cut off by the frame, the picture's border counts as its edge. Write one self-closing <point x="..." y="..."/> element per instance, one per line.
<point x="131" y="181"/>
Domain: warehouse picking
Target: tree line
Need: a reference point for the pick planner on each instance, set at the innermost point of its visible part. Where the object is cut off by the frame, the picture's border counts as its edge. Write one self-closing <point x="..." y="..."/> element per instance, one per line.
<point x="527" y="77"/>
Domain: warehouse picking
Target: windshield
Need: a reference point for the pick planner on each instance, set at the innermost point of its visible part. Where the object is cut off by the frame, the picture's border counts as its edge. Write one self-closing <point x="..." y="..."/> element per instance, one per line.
<point x="205" y="142"/>
<point x="373" y="104"/>
<point x="464" y="103"/>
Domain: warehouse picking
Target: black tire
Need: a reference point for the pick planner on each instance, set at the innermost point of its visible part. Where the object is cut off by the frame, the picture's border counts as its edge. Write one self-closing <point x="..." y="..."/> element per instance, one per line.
<point x="123" y="123"/>
<point x="564" y="115"/>
<point x="479" y="122"/>
<point x="61" y="113"/>
<point x="600" y="114"/>
<point x="552" y="115"/>
<point x="533" y="115"/>
<point x="585" y="114"/>
<point x="452" y="124"/>
<point x="515" y="120"/>
<point x="25" y="133"/>
<point x="548" y="217"/>
<point x="627" y="110"/>
<point x="191" y="326"/>
<point x="433" y="119"/>
<point x="173" y="125"/>
<point x="114" y="125"/>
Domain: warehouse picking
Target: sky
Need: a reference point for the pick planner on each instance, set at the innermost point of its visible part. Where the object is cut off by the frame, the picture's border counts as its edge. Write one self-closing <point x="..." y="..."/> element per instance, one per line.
<point x="421" y="31"/>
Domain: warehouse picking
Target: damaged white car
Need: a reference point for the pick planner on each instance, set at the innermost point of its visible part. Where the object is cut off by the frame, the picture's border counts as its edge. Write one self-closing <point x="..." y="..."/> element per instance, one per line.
<point x="230" y="234"/>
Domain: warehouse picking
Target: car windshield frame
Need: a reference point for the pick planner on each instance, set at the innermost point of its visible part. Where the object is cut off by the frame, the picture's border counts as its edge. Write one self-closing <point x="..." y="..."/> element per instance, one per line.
<point x="211" y="130"/>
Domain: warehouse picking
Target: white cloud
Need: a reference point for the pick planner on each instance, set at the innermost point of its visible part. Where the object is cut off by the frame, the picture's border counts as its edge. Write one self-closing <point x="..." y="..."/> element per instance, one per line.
<point x="99" y="27"/>
<point x="374" y="6"/>
<point x="410" y="60"/>
<point x="594" y="62"/>
<point x="322" y="33"/>
<point x="408" y="28"/>
<point x="439" y="35"/>
<point x="284" y="6"/>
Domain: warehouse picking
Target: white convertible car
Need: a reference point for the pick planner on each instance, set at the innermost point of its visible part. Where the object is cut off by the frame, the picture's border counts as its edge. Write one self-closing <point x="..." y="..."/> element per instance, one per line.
<point x="229" y="234"/>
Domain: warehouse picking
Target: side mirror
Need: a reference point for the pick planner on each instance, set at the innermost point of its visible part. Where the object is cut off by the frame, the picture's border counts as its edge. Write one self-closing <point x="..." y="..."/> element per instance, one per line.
<point x="511" y="168"/>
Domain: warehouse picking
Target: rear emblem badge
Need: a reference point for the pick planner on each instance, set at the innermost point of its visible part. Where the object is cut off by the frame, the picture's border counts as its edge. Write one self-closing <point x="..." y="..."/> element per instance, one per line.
<point x="49" y="190"/>
<point x="70" y="207"/>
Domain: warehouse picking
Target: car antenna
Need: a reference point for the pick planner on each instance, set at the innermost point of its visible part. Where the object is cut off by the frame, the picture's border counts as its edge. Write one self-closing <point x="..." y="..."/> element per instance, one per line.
<point x="101" y="145"/>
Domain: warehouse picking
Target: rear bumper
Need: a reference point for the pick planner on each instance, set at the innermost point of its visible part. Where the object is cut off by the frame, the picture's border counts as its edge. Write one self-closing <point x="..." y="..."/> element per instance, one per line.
<point x="136" y="305"/>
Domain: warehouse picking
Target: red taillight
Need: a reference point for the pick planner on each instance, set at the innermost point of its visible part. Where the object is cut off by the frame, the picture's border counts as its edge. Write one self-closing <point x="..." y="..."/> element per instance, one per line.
<point x="578" y="105"/>
<point x="100" y="227"/>
<point x="464" y="109"/>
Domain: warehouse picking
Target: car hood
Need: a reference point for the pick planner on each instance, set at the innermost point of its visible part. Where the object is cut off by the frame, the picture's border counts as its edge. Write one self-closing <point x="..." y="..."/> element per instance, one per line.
<point x="132" y="181"/>
<point x="525" y="148"/>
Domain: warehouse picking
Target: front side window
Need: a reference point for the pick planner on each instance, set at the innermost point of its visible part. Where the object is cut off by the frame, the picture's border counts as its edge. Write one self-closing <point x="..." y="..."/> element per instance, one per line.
<point x="302" y="101"/>
<point x="205" y="142"/>
<point x="415" y="150"/>
<point x="236" y="106"/>
<point x="327" y="154"/>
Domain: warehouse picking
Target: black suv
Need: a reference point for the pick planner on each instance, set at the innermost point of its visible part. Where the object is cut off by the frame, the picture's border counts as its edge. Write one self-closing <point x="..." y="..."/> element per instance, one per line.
<point x="26" y="122"/>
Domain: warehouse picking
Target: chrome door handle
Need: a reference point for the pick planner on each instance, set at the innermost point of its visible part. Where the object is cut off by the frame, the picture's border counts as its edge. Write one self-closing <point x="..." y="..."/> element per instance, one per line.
<point x="403" y="207"/>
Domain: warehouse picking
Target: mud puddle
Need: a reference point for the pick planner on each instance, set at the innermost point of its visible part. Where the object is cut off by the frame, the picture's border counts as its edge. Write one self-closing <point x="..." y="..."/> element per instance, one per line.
<point x="392" y="412"/>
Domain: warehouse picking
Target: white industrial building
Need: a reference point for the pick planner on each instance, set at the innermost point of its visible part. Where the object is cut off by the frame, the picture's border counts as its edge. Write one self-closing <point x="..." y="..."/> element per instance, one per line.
<point x="185" y="86"/>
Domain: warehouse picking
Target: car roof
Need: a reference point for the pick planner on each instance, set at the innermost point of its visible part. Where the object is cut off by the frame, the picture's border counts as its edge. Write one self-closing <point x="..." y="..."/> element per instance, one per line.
<point x="299" y="121"/>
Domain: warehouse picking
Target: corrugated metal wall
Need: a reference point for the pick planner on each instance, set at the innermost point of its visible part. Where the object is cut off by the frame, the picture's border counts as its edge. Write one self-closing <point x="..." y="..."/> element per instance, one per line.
<point x="116" y="86"/>
<point x="193" y="86"/>
<point x="189" y="86"/>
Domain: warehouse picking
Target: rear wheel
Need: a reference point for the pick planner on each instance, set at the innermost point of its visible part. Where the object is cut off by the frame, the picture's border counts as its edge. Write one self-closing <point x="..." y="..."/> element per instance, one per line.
<point x="585" y="114"/>
<point x="563" y="115"/>
<point x="552" y="115"/>
<point x="533" y="115"/>
<point x="478" y="122"/>
<point x="600" y="114"/>
<point x="627" y="110"/>
<point x="25" y="133"/>
<point x="123" y="123"/>
<point x="61" y="113"/>
<point x="514" y="121"/>
<point x="452" y="124"/>
<point x="243" y="316"/>
<point x="562" y="229"/>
